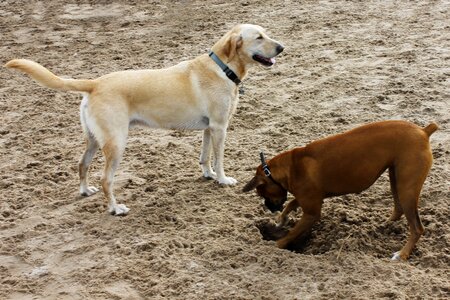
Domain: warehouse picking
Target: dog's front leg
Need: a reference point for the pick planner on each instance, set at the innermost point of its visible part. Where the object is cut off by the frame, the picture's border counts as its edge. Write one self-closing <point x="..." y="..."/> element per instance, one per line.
<point x="311" y="214"/>
<point x="218" y="134"/>
<point x="205" y="156"/>
<point x="300" y="228"/>
<point x="282" y="218"/>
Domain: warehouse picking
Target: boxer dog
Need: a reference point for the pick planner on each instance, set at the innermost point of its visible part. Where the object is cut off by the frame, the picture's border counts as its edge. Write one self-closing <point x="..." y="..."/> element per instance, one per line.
<point x="199" y="94"/>
<point x="349" y="163"/>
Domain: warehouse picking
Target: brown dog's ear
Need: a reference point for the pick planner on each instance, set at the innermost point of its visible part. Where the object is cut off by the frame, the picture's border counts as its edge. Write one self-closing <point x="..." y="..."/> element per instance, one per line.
<point x="234" y="42"/>
<point x="252" y="184"/>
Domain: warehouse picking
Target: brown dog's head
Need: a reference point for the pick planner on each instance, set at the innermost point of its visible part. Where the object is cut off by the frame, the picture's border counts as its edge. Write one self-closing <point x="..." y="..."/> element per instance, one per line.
<point x="250" y="43"/>
<point x="266" y="187"/>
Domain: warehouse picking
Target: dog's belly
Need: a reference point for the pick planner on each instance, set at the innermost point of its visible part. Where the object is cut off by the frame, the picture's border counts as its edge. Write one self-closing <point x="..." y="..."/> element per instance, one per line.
<point x="354" y="179"/>
<point x="197" y="123"/>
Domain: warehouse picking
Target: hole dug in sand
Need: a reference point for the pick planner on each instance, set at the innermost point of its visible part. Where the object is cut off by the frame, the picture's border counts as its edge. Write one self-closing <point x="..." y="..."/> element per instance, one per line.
<point x="271" y="232"/>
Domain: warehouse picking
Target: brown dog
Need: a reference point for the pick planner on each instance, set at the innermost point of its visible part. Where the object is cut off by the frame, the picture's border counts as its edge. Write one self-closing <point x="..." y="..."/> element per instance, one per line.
<point x="349" y="163"/>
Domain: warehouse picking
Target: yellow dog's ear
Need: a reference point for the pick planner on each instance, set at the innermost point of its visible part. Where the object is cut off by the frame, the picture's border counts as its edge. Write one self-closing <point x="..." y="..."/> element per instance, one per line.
<point x="233" y="43"/>
<point x="253" y="184"/>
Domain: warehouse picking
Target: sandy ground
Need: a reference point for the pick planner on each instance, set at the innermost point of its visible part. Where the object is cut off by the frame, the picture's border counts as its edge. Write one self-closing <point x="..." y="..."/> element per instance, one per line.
<point x="346" y="63"/>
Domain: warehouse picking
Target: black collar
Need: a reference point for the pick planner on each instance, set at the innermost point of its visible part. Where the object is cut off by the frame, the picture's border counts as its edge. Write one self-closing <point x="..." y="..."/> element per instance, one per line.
<point x="267" y="172"/>
<point x="230" y="74"/>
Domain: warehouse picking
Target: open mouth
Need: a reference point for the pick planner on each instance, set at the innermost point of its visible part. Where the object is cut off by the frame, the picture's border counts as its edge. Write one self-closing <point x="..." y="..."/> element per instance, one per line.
<point x="264" y="60"/>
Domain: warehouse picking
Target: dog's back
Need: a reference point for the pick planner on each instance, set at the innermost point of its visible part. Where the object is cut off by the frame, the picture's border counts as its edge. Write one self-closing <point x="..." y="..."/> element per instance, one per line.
<point x="356" y="158"/>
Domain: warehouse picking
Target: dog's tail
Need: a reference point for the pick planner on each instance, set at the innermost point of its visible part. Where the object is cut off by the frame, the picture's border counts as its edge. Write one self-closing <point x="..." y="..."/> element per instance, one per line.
<point x="430" y="129"/>
<point x="46" y="78"/>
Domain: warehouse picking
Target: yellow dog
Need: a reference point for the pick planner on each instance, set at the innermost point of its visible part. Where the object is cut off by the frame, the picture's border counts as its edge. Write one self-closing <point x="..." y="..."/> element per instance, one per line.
<point x="198" y="94"/>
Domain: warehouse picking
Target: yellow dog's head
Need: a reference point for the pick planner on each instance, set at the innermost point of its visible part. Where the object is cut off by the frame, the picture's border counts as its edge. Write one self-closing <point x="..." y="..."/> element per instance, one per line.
<point x="249" y="44"/>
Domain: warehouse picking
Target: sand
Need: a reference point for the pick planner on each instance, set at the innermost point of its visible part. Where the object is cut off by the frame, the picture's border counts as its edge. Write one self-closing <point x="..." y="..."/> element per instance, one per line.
<point x="346" y="63"/>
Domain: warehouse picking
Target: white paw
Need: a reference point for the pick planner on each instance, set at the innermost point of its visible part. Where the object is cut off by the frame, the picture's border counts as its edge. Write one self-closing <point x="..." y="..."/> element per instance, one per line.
<point x="396" y="256"/>
<point x="210" y="174"/>
<point x="227" y="180"/>
<point x="88" y="191"/>
<point x="119" y="210"/>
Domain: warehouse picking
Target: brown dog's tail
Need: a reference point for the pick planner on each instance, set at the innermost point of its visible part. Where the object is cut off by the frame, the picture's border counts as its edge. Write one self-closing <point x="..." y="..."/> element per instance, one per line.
<point x="430" y="129"/>
<point x="46" y="78"/>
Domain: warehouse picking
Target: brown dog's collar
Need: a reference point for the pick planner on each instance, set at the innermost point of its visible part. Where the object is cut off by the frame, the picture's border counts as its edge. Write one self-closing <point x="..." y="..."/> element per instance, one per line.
<point x="266" y="170"/>
<point x="230" y="74"/>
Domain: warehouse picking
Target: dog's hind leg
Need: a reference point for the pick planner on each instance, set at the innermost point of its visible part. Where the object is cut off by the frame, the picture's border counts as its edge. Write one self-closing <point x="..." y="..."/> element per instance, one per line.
<point x="83" y="166"/>
<point x="110" y="129"/>
<point x="88" y="155"/>
<point x="205" y="156"/>
<point x="397" y="212"/>
<point x="113" y="150"/>
<point x="410" y="178"/>
<point x="408" y="200"/>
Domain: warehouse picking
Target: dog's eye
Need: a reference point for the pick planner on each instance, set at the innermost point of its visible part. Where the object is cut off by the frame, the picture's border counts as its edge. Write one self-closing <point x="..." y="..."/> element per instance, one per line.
<point x="260" y="37"/>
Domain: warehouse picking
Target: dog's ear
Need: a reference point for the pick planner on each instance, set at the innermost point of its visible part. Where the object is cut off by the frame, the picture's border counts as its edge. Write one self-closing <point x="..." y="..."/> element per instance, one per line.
<point x="233" y="43"/>
<point x="253" y="184"/>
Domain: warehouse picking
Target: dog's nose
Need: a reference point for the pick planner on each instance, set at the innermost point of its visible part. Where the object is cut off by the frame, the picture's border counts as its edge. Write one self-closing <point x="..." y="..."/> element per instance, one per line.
<point x="279" y="48"/>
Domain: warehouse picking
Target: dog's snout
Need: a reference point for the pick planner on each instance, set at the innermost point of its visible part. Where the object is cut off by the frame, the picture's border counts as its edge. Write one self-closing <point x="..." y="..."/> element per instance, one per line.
<point x="279" y="48"/>
<point x="273" y="207"/>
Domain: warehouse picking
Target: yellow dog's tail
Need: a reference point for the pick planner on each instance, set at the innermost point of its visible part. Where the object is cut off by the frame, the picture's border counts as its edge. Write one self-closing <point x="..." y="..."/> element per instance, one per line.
<point x="430" y="129"/>
<point x="46" y="78"/>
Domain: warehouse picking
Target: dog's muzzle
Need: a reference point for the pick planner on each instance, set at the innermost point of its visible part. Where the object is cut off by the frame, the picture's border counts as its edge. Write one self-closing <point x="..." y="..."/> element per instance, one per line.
<point x="280" y="49"/>
<point x="268" y="61"/>
<point x="272" y="206"/>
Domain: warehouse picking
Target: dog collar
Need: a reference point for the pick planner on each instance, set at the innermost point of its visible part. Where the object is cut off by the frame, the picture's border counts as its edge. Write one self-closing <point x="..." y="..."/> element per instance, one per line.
<point x="230" y="74"/>
<point x="266" y="170"/>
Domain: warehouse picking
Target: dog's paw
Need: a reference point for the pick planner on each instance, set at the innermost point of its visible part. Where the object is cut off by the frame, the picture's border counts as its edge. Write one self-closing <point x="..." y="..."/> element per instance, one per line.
<point x="88" y="191"/>
<point x="396" y="256"/>
<point x="227" y="181"/>
<point x="119" y="210"/>
<point x="282" y="243"/>
<point x="281" y="220"/>
<point x="209" y="174"/>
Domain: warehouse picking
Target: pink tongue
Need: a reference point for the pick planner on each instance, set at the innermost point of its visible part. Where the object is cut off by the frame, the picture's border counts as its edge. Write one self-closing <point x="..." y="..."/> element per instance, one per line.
<point x="272" y="60"/>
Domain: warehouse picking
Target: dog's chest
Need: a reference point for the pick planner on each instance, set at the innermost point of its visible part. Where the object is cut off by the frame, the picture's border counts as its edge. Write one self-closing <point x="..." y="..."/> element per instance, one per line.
<point x="233" y="105"/>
